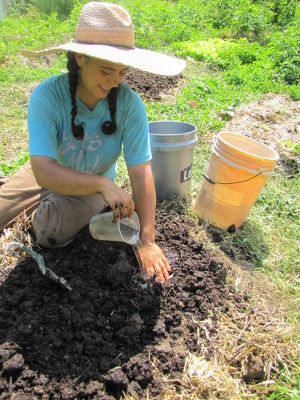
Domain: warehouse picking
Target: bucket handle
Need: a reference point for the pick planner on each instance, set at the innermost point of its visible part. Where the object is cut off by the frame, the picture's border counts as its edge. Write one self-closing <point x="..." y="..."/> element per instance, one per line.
<point x="210" y="180"/>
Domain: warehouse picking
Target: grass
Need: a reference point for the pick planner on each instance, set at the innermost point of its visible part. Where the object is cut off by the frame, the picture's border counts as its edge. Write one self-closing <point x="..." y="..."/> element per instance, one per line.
<point x="236" y="53"/>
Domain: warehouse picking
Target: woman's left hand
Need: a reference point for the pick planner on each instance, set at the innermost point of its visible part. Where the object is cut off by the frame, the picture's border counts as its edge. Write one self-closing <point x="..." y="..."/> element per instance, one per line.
<point x="154" y="261"/>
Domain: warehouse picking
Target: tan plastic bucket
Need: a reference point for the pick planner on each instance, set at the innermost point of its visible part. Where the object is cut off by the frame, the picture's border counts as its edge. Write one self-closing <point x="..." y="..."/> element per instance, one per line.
<point x="238" y="169"/>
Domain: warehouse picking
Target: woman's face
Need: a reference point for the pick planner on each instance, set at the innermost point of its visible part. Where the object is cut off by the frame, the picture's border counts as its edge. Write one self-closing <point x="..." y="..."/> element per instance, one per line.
<point x="97" y="78"/>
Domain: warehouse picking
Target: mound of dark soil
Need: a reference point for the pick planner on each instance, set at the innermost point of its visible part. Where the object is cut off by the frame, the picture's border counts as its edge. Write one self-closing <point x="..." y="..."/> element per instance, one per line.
<point x="152" y="87"/>
<point x="99" y="340"/>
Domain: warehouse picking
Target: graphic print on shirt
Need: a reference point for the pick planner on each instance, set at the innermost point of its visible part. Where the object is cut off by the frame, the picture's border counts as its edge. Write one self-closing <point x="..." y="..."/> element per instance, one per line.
<point x="88" y="155"/>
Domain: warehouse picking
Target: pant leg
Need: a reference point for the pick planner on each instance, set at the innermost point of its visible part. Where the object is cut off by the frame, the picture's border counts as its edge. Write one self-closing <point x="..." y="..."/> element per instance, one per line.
<point x="59" y="218"/>
<point x="3" y="179"/>
<point x="19" y="193"/>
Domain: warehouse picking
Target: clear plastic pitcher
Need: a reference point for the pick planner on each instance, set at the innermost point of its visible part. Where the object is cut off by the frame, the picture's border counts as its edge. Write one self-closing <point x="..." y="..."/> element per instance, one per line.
<point x="124" y="230"/>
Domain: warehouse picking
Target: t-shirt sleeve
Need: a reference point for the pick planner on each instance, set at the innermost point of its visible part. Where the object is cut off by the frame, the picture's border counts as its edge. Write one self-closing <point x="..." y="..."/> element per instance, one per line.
<point x="42" y="125"/>
<point x="136" y="142"/>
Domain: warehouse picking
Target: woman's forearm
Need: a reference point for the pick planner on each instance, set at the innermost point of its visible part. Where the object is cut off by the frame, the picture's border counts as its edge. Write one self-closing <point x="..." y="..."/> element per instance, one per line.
<point x="145" y="200"/>
<point x="69" y="182"/>
<point x="59" y="179"/>
<point x="152" y="258"/>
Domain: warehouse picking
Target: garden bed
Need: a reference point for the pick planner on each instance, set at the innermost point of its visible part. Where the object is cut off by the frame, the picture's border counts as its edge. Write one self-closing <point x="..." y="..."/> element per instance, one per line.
<point x="117" y="333"/>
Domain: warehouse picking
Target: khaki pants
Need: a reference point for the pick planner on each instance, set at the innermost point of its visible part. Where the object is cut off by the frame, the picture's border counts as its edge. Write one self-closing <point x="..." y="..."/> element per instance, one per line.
<point x="55" y="218"/>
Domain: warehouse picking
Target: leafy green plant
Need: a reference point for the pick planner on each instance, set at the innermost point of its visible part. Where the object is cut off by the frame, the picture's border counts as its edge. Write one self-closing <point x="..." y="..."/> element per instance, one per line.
<point x="284" y="11"/>
<point x="160" y="23"/>
<point x="9" y="168"/>
<point x="19" y="6"/>
<point x="62" y="8"/>
<point x="293" y="147"/>
<point x="200" y="50"/>
<point x="237" y="19"/>
<point x="284" y="51"/>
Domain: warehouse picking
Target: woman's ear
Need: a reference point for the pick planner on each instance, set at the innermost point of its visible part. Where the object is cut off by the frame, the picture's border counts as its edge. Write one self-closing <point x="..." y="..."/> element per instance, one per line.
<point x="80" y="58"/>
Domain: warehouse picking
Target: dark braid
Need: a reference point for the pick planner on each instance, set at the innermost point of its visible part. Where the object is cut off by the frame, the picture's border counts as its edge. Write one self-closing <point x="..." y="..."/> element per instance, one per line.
<point x="73" y="69"/>
<point x="110" y="127"/>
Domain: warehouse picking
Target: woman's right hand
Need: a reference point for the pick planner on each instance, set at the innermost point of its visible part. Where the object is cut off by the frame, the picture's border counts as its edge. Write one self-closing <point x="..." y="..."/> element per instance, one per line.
<point x="118" y="200"/>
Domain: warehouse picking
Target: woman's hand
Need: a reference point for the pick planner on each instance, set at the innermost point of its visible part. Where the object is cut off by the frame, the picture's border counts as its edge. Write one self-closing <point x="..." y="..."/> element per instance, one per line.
<point x="118" y="200"/>
<point x="154" y="261"/>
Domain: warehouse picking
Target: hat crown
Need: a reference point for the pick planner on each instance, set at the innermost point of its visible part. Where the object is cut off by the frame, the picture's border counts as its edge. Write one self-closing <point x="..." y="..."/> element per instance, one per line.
<point x="105" y="23"/>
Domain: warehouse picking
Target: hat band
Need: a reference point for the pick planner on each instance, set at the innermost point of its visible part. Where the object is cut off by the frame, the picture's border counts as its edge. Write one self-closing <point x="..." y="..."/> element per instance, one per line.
<point x="115" y="38"/>
<point x="100" y="44"/>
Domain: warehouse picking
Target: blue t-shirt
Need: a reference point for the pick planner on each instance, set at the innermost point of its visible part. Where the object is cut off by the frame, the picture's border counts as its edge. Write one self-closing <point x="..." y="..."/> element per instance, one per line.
<point x="50" y="134"/>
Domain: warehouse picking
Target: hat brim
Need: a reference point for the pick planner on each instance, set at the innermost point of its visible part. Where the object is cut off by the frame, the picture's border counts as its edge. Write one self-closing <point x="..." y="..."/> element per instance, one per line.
<point x="145" y="60"/>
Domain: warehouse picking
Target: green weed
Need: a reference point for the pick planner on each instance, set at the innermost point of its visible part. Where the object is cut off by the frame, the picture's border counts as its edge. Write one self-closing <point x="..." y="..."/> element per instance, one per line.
<point x="287" y="386"/>
<point x="9" y="168"/>
<point x="62" y="8"/>
<point x="293" y="147"/>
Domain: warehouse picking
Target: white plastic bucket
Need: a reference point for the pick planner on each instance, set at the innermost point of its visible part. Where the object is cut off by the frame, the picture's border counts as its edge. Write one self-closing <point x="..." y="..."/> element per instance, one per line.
<point x="238" y="169"/>
<point x="172" y="146"/>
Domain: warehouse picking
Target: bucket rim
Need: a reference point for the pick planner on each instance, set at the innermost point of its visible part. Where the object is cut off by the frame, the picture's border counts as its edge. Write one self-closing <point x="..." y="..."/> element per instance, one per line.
<point x="221" y="135"/>
<point x="161" y="122"/>
<point x="171" y="120"/>
<point x="156" y="146"/>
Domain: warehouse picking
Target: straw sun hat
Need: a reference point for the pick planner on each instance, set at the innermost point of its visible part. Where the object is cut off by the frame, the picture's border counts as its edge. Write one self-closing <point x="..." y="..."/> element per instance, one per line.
<point x="105" y="31"/>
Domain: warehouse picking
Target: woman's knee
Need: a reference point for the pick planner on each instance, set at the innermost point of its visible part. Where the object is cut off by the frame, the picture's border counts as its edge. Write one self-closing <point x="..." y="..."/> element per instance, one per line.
<point x="48" y="231"/>
<point x="59" y="218"/>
